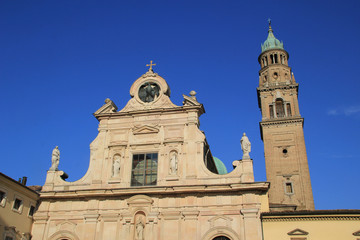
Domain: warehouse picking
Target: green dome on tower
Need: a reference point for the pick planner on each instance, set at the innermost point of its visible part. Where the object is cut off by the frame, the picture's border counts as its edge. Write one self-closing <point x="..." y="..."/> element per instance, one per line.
<point x="220" y="166"/>
<point x="271" y="42"/>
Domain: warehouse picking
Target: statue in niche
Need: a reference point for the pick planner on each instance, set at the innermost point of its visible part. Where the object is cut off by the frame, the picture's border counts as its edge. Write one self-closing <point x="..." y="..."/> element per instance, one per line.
<point x="139" y="229"/>
<point x="116" y="166"/>
<point x="173" y="163"/>
<point x="245" y="146"/>
<point x="55" y="159"/>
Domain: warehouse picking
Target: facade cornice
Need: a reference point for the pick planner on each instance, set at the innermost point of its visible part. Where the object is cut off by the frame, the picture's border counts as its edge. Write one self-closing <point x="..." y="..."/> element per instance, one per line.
<point x="275" y="86"/>
<point x="199" y="108"/>
<point x="261" y="187"/>
<point x="281" y="121"/>
<point x="311" y="218"/>
<point x="312" y="215"/>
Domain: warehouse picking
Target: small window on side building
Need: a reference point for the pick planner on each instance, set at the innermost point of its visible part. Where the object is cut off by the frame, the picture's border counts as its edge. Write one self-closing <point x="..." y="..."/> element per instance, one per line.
<point x="2" y="198"/>
<point x="18" y="205"/>
<point x="31" y="210"/>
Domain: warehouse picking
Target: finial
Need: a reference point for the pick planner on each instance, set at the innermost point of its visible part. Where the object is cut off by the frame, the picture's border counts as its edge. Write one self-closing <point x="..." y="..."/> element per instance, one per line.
<point x="270" y="29"/>
<point x="150" y="66"/>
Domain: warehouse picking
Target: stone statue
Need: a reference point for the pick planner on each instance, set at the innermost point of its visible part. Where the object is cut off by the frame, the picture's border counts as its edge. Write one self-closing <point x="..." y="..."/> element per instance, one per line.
<point x="245" y="146"/>
<point x="116" y="166"/>
<point x="173" y="163"/>
<point x="139" y="229"/>
<point x="55" y="158"/>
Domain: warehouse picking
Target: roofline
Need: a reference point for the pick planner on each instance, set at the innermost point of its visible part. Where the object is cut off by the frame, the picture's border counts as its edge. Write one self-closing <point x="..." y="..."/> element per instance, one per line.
<point x="311" y="212"/>
<point x="19" y="184"/>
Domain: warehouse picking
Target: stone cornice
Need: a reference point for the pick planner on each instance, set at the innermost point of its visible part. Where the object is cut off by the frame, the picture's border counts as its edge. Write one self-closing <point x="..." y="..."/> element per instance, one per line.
<point x="311" y="218"/>
<point x="312" y="215"/>
<point x="155" y="190"/>
<point x="281" y="121"/>
<point x="272" y="87"/>
<point x="199" y="108"/>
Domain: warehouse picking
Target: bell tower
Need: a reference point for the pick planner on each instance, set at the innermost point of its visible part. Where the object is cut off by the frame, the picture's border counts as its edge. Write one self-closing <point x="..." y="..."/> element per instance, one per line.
<point x="281" y="129"/>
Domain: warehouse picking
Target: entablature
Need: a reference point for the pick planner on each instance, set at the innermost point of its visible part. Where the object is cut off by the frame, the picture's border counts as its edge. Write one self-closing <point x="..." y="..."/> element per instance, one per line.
<point x="281" y="121"/>
<point x="258" y="187"/>
<point x="278" y="85"/>
<point x="198" y="108"/>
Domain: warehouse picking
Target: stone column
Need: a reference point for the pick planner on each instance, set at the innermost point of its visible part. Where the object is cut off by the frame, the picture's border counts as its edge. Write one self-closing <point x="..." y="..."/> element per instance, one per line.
<point x="39" y="226"/>
<point x="190" y="219"/>
<point x="125" y="233"/>
<point x="91" y="220"/>
<point x="274" y="110"/>
<point x="252" y="224"/>
<point x="151" y="231"/>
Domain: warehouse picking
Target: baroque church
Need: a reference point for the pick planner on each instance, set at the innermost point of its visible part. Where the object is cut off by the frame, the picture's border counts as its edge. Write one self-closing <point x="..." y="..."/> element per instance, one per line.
<point x="152" y="175"/>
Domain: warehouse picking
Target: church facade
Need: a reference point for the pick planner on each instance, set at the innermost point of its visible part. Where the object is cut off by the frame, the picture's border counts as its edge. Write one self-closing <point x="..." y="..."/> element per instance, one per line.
<point x="152" y="176"/>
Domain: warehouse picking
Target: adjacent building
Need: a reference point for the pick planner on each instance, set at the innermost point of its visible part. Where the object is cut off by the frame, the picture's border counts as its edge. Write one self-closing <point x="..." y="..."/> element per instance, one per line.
<point x="17" y="207"/>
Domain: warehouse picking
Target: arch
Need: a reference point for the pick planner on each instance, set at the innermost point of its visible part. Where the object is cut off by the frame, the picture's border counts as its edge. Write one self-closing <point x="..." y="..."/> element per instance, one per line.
<point x="279" y="106"/>
<point x="220" y="232"/>
<point x="64" y="235"/>
<point x="221" y="238"/>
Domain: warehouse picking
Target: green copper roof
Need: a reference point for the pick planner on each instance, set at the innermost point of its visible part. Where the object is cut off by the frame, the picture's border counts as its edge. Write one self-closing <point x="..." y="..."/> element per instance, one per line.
<point x="220" y="166"/>
<point x="271" y="41"/>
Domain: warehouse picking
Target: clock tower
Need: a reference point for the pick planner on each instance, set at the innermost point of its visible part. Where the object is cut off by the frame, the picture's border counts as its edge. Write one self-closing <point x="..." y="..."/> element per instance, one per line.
<point x="282" y="130"/>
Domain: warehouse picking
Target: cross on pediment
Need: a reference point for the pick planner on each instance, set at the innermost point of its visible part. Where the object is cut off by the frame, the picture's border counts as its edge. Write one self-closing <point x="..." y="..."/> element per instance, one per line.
<point x="150" y="65"/>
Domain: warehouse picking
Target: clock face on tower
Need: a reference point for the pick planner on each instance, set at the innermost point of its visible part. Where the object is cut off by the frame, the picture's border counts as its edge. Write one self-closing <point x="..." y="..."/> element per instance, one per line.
<point x="149" y="92"/>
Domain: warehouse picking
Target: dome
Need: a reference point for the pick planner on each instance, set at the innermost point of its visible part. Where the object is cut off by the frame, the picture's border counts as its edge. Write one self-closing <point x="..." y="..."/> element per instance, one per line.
<point x="220" y="166"/>
<point x="271" y="42"/>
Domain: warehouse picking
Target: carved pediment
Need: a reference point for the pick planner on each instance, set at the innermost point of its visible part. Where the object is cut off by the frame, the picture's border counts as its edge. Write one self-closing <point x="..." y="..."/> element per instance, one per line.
<point x="140" y="200"/>
<point x="67" y="225"/>
<point x="220" y="221"/>
<point x="298" y="231"/>
<point x="108" y="107"/>
<point x="146" y="129"/>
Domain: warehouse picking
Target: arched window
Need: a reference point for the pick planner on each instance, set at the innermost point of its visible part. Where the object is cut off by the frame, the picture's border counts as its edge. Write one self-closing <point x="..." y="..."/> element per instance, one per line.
<point x="288" y="109"/>
<point x="221" y="238"/>
<point x="279" y="103"/>
<point x="275" y="58"/>
<point x="271" y="111"/>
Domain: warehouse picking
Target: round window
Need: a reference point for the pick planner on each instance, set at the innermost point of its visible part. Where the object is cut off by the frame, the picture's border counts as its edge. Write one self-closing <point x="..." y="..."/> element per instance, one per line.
<point x="149" y="92"/>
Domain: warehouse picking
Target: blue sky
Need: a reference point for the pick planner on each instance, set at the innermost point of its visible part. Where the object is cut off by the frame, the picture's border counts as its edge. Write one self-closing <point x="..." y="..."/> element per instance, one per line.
<point x="59" y="60"/>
